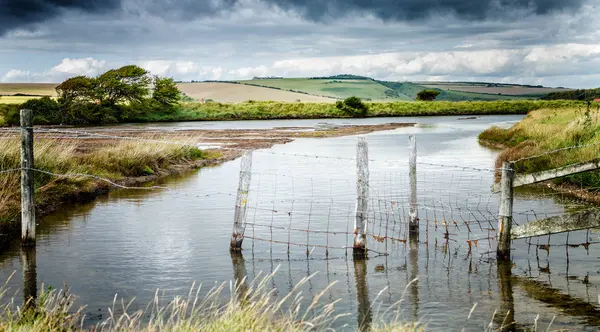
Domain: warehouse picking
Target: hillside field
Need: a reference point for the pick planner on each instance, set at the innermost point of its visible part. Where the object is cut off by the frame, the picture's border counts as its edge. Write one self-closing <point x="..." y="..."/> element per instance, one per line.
<point x="236" y="93"/>
<point x="375" y="90"/>
<point x="493" y="88"/>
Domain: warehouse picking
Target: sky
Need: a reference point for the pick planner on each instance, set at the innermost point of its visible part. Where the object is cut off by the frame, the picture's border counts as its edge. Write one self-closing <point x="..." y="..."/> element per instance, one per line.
<point x="547" y="42"/>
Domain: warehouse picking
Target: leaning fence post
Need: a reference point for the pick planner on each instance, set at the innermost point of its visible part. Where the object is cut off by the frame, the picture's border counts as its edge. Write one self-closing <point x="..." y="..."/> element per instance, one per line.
<point x="27" y="198"/>
<point x="239" y="222"/>
<point x="506" y="210"/>
<point x="413" y="225"/>
<point x="362" y="198"/>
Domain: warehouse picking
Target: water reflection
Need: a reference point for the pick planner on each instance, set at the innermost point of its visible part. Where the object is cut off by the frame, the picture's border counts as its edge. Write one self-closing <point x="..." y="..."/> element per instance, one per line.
<point x="240" y="276"/>
<point x="365" y="316"/>
<point x="505" y="318"/>
<point x="28" y="264"/>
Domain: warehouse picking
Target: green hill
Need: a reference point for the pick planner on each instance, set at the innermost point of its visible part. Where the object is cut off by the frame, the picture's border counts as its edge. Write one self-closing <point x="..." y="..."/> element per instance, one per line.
<point x="343" y="86"/>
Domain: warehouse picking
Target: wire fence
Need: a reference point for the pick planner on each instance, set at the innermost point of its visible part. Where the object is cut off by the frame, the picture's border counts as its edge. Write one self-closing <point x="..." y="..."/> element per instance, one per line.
<point x="455" y="203"/>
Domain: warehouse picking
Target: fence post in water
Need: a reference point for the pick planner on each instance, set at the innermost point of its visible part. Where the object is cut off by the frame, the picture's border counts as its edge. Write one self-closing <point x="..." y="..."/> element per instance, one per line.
<point x="506" y="210"/>
<point x="413" y="225"/>
<point x="27" y="199"/>
<point x="362" y="198"/>
<point x="241" y="202"/>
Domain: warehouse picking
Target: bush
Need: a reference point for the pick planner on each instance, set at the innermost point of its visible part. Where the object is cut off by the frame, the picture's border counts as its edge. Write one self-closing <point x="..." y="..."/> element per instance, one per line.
<point x="45" y="110"/>
<point x="353" y="107"/>
<point x="427" y="95"/>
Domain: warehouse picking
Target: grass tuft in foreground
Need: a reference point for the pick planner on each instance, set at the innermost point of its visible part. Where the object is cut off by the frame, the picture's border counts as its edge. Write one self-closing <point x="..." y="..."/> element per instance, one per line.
<point x="249" y="306"/>
<point x="546" y="130"/>
<point x="115" y="160"/>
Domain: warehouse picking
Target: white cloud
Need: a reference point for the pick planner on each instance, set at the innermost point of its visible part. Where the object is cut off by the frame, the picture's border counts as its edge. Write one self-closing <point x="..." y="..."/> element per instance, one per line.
<point x="575" y="65"/>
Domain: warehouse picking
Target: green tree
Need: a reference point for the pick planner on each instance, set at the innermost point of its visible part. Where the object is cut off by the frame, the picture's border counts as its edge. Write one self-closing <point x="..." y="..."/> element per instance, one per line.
<point x="125" y="84"/>
<point x="78" y="88"/>
<point x="165" y="91"/>
<point x="427" y="95"/>
<point x="353" y="106"/>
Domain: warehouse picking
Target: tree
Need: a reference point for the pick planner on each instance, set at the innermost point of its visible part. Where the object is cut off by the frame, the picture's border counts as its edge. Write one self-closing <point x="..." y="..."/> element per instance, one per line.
<point x="128" y="83"/>
<point x="78" y="88"/>
<point x="165" y="91"/>
<point x="427" y="95"/>
<point x="353" y="106"/>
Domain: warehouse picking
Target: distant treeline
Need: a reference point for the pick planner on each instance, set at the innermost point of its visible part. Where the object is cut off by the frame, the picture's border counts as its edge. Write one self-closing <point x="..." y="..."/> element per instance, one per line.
<point x="583" y="94"/>
<point x="341" y="77"/>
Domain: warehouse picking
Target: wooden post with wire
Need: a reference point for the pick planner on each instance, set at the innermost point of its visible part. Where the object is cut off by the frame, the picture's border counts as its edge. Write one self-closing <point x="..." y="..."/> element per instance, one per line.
<point x="506" y="209"/>
<point x="413" y="225"/>
<point x="27" y="189"/>
<point x="362" y="199"/>
<point x="239" y="222"/>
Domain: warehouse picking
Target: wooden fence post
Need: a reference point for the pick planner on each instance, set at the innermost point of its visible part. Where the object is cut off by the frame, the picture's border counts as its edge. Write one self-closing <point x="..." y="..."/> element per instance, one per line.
<point x="27" y="190"/>
<point x="239" y="222"/>
<point x="413" y="225"/>
<point x="506" y="210"/>
<point x="362" y="198"/>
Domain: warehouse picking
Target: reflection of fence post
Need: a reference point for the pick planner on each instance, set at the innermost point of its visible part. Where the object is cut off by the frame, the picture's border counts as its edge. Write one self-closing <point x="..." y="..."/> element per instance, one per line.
<point x="28" y="265"/>
<point x="506" y="210"/>
<point x="241" y="202"/>
<point x="365" y="316"/>
<point x="362" y="198"/>
<point x="413" y="225"/>
<point x="27" y="199"/>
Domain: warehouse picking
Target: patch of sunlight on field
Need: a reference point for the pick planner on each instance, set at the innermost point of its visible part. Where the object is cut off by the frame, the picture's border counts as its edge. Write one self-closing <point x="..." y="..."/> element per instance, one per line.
<point x="15" y="99"/>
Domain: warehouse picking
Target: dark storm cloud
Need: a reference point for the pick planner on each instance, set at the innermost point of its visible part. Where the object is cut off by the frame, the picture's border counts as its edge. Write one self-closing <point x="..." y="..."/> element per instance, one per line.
<point x="22" y="13"/>
<point x="410" y="10"/>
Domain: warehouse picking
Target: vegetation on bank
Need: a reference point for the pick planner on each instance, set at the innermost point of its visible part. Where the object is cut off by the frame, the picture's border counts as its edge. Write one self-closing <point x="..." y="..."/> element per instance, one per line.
<point x="549" y="129"/>
<point x="115" y="161"/>
<point x="276" y="110"/>
<point x="583" y="94"/>
<point x="249" y="306"/>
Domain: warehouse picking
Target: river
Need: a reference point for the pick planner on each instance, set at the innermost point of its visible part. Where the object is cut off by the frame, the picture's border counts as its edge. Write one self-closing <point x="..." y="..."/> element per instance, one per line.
<point x="133" y="242"/>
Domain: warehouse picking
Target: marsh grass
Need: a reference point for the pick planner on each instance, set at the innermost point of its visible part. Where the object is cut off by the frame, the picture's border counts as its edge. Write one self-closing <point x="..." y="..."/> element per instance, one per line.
<point x="253" y="110"/>
<point x="547" y="130"/>
<point x="115" y="160"/>
<point x="241" y="306"/>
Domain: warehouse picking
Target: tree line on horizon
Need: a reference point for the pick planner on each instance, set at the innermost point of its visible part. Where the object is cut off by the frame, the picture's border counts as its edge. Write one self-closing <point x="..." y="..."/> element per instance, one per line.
<point x="117" y="95"/>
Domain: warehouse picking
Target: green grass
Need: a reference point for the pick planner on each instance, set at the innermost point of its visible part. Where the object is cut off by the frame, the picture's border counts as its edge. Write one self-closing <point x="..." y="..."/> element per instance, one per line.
<point x="337" y="88"/>
<point x="546" y="130"/>
<point x="278" y="110"/>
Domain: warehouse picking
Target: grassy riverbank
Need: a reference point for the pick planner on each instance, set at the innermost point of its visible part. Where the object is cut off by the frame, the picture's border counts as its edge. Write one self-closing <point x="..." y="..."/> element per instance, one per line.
<point x="547" y="130"/>
<point x="245" y="307"/>
<point x="127" y="162"/>
<point x="278" y="110"/>
<point x="189" y="111"/>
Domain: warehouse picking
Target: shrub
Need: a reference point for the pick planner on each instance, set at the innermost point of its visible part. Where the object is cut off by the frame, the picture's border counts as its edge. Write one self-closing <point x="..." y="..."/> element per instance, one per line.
<point x="353" y="107"/>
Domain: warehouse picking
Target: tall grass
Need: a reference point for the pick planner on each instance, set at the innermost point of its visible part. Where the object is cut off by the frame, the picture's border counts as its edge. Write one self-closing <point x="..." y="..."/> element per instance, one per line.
<point x="546" y="130"/>
<point x="248" y="306"/>
<point x="253" y="110"/>
<point x="116" y="161"/>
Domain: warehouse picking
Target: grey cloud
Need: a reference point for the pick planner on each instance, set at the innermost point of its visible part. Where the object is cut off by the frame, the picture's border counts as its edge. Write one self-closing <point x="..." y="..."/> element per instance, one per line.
<point x="22" y="13"/>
